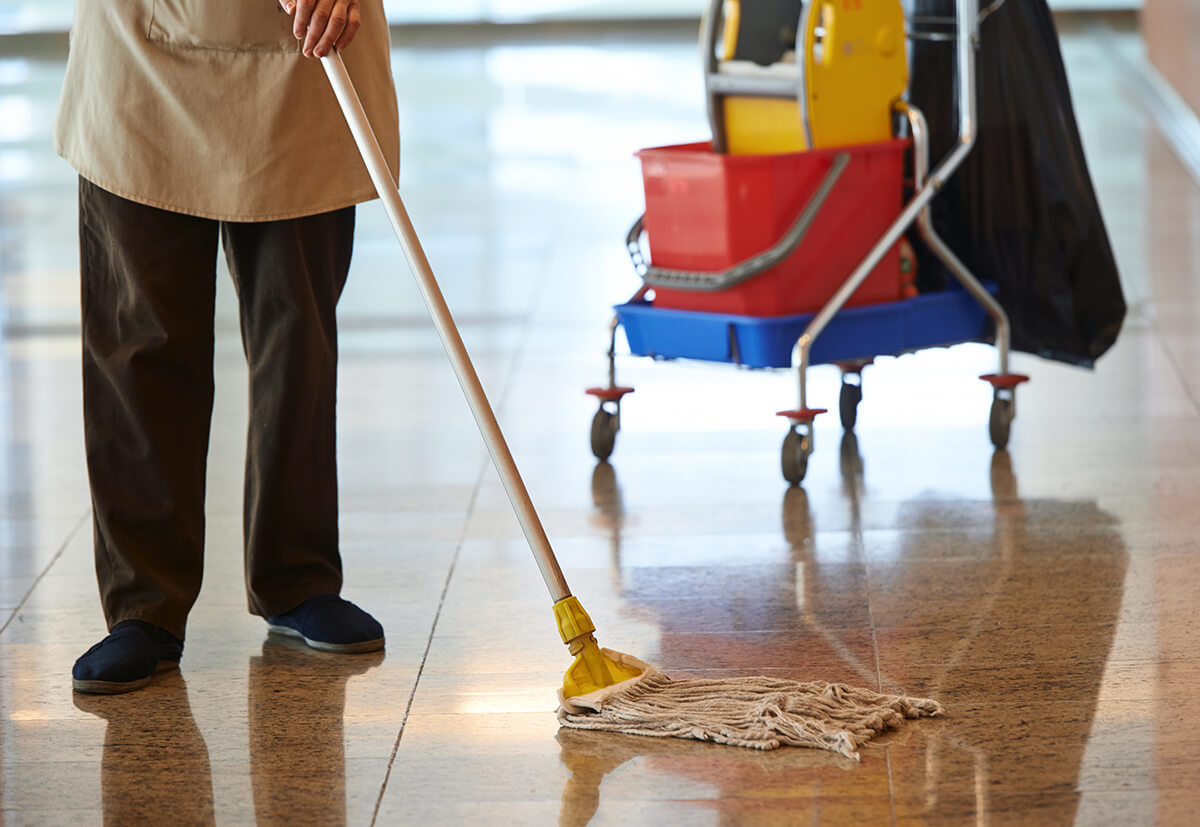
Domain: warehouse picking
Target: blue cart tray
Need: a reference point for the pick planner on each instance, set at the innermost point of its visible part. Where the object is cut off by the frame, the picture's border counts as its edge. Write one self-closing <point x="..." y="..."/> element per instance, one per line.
<point x="930" y="320"/>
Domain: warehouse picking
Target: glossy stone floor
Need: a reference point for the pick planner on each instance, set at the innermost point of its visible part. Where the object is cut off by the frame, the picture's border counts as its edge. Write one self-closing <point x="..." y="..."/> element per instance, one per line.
<point x="1047" y="595"/>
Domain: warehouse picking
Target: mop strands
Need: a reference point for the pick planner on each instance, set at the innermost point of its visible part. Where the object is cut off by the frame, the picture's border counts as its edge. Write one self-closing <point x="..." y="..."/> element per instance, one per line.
<point x="606" y="690"/>
<point x="755" y="712"/>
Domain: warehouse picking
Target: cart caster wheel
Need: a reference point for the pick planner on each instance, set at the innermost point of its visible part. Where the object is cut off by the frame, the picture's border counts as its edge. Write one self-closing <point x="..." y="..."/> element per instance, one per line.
<point x="1004" y="405"/>
<point x="794" y="460"/>
<point x="848" y="404"/>
<point x="1000" y="422"/>
<point x="605" y="425"/>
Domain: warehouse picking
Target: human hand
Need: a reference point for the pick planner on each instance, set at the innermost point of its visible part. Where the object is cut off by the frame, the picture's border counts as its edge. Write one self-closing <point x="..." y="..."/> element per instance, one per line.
<point x="323" y="24"/>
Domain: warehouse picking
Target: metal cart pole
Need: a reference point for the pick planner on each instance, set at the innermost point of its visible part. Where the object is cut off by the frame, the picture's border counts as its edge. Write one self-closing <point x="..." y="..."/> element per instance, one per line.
<point x="920" y="136"/>
<point x="1004" y="402"/>
<point x="968" y="38"/>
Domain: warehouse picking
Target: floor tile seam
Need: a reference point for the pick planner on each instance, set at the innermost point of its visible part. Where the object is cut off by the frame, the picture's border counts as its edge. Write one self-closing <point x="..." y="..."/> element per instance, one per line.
<point x="894" y="628"/>
<point x="428" y="648"/>
<point x="608" y="796"/>
<point x="715" y="635"/>
<point x="861" y="554"/>
<point x="818" y="673"/>
<point x="1003" y="664"/>
<point x="1097" y="661"/>
<point x="891" y="779"/>
<point x="463" y="538"/>
<point x="1192" y="658"/>
<point x="1120" y="793"/>
<point x="899" y="599"/>
<point x="765" y="803"/>
<point x="817" y="669"/>
<point x="887" y="750"/>
<point x="408" y="706"/>
<point x="1192" y="393"/>
<point x="1019" y="790"/>
<point x="1095" y="706"/>
<point x="982" y="700"/>
<point x="992" y="588"/>
<point x="79" y="523"/>
<point x="991" y="667"/>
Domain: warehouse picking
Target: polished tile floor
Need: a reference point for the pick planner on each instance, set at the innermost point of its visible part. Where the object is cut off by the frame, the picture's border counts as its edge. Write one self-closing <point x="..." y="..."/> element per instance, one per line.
<point x="1047" y="595"/>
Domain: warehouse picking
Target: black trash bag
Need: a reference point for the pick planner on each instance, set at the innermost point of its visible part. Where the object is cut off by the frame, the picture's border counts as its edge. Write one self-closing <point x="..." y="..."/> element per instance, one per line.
<point x="1021" y="211"/>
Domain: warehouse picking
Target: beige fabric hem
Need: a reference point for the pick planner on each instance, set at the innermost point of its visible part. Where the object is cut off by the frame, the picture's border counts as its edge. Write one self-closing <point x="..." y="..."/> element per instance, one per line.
<point x="356" y="198"/>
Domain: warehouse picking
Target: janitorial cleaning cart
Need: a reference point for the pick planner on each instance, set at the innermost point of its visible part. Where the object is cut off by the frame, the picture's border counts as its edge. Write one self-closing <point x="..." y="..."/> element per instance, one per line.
<point x="782" y="242"/>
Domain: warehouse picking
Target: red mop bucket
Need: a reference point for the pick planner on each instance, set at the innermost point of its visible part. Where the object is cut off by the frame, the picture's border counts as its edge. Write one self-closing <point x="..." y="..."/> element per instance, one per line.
<point x="706" y="212"/>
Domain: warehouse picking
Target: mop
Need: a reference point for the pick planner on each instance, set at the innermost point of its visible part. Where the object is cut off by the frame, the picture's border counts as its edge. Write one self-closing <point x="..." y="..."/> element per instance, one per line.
<point x="604" y="689"/>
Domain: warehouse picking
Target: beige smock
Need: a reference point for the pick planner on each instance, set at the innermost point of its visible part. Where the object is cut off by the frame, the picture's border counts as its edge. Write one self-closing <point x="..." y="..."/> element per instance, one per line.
<point x="207" y="107"/>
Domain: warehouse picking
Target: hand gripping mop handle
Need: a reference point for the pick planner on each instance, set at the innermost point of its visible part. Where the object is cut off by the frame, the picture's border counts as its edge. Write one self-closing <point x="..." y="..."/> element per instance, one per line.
<point x="591" y="669"/>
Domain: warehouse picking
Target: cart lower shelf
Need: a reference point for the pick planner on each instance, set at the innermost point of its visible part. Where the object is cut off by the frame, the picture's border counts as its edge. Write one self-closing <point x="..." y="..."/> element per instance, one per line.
<point x="929" y="320"/>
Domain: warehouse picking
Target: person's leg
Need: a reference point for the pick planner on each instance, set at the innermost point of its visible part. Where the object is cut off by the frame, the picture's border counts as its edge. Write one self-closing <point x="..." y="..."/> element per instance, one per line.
<point x="148" y="281"/>
<point x="289" y="276"/>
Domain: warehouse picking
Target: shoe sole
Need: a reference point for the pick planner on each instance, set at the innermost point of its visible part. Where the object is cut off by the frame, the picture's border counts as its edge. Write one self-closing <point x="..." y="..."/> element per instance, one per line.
<point x="120" y="687"/>
<point x="339" y="648"/>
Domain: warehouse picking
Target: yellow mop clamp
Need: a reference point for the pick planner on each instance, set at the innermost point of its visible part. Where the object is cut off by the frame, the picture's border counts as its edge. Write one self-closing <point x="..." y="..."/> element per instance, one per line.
<point x="852" y="66"/>
<point x="592" y="669"/>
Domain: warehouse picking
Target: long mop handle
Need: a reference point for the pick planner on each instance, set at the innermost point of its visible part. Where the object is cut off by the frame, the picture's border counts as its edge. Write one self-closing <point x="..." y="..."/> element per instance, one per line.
<point x="443" y="321"/>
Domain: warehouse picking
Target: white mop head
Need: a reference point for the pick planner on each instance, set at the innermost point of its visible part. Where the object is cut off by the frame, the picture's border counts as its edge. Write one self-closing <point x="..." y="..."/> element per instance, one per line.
<point x="755" y="712"/>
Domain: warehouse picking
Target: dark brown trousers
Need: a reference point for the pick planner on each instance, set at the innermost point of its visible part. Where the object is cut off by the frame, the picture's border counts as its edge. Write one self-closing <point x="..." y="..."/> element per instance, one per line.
<point x="148" y="296"/>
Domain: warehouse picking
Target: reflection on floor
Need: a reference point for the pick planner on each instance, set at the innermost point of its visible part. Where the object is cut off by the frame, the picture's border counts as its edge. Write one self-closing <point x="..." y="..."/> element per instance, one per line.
<point x="1045" y="595"/>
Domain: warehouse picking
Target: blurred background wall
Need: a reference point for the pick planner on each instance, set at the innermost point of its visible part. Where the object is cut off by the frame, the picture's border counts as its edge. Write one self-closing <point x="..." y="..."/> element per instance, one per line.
<point x="22" y="16"/>
<point x="1172" y="32"/>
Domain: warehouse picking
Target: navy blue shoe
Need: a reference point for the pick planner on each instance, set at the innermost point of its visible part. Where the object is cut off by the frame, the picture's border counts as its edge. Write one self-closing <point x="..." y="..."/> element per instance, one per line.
<point x="127" y="659"/>
<point x="328" y="623"/>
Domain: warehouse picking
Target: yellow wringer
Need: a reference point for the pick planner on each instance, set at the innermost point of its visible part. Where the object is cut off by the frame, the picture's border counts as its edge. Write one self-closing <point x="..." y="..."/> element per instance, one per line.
<point x="793" y="76"/>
